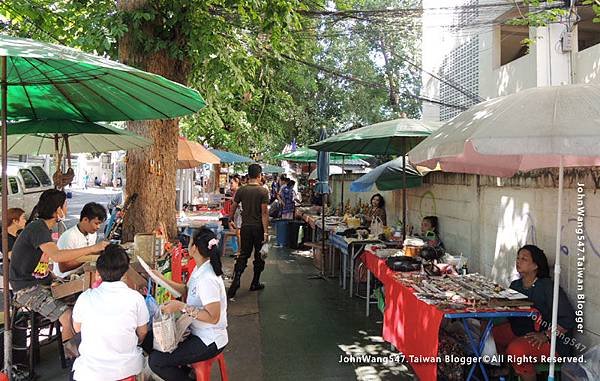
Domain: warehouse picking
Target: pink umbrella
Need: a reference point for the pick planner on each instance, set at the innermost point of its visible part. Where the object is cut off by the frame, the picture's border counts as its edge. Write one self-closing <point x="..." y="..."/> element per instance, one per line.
<point x="544" y="127"/>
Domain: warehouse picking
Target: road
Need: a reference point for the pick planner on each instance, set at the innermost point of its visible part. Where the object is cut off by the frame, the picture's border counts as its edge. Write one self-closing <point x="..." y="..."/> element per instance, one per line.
<point x="82" y="197"/>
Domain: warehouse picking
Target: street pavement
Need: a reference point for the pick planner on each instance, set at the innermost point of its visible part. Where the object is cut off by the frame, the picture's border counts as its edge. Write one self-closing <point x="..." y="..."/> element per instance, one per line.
<point x="82" y="197"/>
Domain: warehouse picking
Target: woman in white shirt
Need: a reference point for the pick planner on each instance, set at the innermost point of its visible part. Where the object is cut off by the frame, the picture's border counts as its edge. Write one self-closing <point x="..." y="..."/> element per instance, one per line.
<point x="206" y="303"/>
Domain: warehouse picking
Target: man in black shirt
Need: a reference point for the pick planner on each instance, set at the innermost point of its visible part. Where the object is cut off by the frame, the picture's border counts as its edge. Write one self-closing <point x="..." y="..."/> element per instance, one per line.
<point x="254" y="231"/>
<point x="29" y="272"/>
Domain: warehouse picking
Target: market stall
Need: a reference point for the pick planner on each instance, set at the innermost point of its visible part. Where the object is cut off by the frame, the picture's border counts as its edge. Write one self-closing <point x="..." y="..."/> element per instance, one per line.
<point x="416" y="304"/>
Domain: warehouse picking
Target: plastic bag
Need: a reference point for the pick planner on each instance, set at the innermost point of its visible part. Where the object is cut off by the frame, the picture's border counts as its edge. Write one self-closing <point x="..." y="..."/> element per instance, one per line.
<point x="264" y="250"/>
<point x="164" y="330"/>
<point x="151" y="303"/>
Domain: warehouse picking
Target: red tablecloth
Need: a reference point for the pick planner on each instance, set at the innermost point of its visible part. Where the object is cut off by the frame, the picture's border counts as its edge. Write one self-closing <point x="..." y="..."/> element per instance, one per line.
<point x="409" y="324"/>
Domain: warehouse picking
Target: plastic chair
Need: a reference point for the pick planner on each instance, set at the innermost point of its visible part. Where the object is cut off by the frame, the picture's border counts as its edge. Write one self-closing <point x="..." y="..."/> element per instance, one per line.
<point x="202" y="368"/>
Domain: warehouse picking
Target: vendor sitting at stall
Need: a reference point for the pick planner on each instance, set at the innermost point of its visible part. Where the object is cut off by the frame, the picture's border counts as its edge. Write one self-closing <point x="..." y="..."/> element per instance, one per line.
<point x="83" y="234"/>
<point x="527" y="337"/>
<point x="30" y="275"/>
<point x="430" y="232"/>
<point x="206" y="304"/>
<point x="377" y="209"/>
<point x="287" y="197"/>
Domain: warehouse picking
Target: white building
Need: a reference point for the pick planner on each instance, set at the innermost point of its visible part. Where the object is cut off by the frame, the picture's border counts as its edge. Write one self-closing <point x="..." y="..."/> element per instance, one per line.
<point x="469" y="54"/>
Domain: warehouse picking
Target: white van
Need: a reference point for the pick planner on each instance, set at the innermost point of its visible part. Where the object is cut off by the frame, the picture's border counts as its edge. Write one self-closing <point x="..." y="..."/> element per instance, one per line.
<point x="26" y="182"/>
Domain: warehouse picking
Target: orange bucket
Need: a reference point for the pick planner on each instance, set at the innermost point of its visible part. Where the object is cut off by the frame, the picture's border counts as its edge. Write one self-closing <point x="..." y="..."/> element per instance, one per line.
<point x="412" y="251"/>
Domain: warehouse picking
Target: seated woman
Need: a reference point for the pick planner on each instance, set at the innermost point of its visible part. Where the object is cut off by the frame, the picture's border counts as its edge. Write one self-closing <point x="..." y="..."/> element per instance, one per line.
<point x="522" y="336"/>
<point x="16" y="223"/>
<point x="206" y="303"/>
<point x="430" y="232"/>
<point x="377" y="209"/>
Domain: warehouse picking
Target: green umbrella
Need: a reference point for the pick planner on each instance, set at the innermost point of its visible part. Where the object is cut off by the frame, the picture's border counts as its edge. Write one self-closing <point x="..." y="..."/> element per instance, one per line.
<point x="45" y="81"/>
<point x="308" y="155"/>
<point x="48" y="81"/>
<point x="269" y="168"/>
<point x="393" y="137"/>
<point x="38" y="137"/>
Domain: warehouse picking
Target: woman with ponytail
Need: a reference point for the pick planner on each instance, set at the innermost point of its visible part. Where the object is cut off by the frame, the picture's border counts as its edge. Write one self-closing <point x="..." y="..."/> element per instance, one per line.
<point x="206" y="304"/>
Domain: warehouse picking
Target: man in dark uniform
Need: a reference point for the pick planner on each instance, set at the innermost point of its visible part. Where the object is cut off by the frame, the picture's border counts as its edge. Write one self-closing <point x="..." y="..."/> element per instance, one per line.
<point x="254" y="199"/>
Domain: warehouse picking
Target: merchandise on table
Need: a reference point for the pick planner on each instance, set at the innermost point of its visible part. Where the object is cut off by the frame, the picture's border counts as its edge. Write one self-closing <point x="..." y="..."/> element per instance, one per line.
<point x="461" y="292"/>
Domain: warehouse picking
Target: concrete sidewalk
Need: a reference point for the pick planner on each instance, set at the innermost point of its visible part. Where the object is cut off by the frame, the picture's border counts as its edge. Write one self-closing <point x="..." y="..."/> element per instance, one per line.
<point x="297" y="328"/>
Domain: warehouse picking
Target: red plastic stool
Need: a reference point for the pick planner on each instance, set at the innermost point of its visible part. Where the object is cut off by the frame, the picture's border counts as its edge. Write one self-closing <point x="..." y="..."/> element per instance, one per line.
<point x="131" y="378"/>
<point x="202" y="368"/>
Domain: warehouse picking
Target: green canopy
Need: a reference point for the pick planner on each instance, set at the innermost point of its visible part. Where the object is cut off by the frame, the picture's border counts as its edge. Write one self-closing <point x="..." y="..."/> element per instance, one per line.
<point x="47" y="81"/>
<point x="38" y="137"/>
<point x="43" y="81"/>
<point x="269" y="168"/>
<point x="230" y="157"/>
<point x="308" y="155"/>
<point x="393" y="137"/>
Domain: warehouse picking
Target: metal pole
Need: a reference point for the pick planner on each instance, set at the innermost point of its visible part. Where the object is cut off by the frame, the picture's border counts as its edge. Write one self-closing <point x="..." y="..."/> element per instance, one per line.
<point x="5" y="264"/>
<point x="343" y="176"/>
<point x="404" y="198"/>
<point x="556" y="272"/>
<point x="323" y="195"/>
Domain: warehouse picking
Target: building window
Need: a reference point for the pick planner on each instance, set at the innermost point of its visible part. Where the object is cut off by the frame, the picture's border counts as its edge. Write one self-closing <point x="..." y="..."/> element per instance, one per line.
<point x="588" y="32"/>
<point x="512" y="36"/>
<point x="511" y="43"/>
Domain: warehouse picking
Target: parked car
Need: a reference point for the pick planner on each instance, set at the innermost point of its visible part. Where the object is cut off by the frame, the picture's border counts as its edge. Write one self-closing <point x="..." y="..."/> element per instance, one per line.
<point x="25" y="184"/>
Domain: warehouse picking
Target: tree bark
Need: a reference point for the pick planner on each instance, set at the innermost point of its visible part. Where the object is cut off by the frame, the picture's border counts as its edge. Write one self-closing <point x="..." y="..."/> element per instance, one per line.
<point x="151" y="172"/>
<point x="389" y="73"/>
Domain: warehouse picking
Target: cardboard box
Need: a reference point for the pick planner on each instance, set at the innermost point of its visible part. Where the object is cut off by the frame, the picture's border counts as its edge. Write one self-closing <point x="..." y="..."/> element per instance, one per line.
<point x="61" y="290"/>
<point x="134" y="280"/>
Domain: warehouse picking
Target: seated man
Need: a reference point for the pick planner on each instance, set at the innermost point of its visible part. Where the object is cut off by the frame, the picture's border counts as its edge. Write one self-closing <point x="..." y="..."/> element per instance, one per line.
<point x="112" y="319"/>
<point x="83" y="234"/>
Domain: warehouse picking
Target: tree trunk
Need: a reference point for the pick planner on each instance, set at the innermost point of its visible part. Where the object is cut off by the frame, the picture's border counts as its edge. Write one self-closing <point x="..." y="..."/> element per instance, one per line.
<point x="389" y="72"/>
<point x="151" y="172"/>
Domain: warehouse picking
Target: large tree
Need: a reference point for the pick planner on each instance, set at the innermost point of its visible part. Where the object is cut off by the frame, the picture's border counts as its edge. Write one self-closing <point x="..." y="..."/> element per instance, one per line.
<point x="212" y="45"/>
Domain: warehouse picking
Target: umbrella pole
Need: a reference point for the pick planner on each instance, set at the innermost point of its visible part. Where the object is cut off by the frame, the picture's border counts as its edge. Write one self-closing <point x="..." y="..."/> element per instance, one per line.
<point x="404" y="198"/>
<point x="556" y="271"/>
<point x="343" y="176"/>
<point x="7" y="320"/>
<point x="323" y="231"/>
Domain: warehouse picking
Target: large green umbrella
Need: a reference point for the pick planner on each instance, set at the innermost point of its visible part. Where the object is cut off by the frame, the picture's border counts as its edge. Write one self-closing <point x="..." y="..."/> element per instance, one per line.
<point x="38" y="137"/>
<point x="48" y="81"/>
<point x="45" y="81"/>
<point x="308" y="155"/>
<point x="269" y="168"/>
<point x="393" y="137"/>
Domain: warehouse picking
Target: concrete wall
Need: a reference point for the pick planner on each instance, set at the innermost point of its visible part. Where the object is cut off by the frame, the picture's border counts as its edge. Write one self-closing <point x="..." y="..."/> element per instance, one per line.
<point x="487" y="219"/>
<point x="587" y="65"/>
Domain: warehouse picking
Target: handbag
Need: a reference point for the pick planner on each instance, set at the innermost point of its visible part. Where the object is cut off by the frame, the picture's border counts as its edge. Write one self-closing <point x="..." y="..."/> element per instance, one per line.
<point x="164" y="331"/>
<point x="376" y="226"/>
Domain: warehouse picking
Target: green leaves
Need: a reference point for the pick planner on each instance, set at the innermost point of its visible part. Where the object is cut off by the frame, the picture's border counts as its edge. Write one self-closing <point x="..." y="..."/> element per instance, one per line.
<point x="268" y="72"/>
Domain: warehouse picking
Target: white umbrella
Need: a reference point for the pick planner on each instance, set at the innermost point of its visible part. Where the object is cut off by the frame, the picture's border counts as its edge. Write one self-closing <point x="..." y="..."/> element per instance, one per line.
<point x="536" y="128"/>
